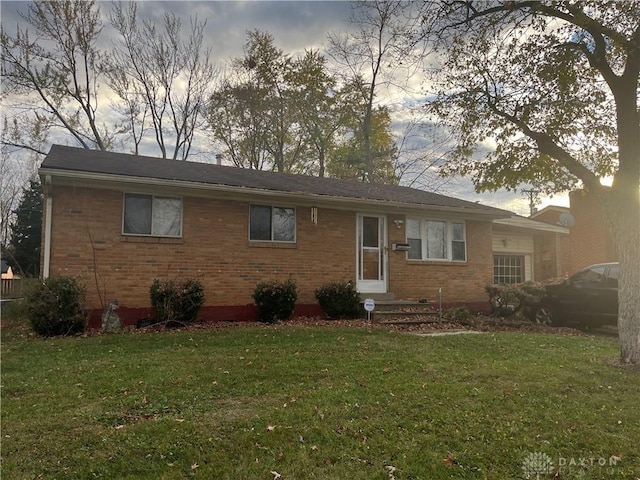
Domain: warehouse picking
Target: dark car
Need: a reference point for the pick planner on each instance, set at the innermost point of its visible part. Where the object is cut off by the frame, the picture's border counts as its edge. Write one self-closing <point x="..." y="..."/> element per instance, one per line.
<point x="589" y="297"/>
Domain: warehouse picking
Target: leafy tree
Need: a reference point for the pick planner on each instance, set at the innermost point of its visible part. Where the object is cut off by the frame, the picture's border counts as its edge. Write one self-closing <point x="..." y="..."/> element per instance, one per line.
<point x="348" y="159"/>
<point x="249" y="113"/>
<point x="554" y="87"/>
<point x="26" y="231"/>
<point x="274" y="111"/>
<point x="321" y="112"/>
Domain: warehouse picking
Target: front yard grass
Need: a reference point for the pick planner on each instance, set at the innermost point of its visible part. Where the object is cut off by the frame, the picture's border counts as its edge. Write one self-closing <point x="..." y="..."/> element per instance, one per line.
<point x="302" y="402"/>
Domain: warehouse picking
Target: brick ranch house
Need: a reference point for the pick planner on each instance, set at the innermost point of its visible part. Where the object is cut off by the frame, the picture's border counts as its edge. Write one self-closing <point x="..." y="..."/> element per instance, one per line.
<point x="120" y="221"/>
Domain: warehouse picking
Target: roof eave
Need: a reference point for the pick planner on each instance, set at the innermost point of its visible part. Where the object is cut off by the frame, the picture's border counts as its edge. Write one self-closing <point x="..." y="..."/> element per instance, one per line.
<point x="305" y="197"/>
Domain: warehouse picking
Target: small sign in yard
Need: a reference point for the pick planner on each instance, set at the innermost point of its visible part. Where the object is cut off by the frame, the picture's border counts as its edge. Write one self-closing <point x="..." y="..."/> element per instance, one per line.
<point x="369" y="306"/>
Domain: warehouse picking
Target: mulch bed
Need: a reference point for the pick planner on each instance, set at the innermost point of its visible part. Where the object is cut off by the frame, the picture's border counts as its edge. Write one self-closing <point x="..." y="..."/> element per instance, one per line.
<point x="480" y="323"/>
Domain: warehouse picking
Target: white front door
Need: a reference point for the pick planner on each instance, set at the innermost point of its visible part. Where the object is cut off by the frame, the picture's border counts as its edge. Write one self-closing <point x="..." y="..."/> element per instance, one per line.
<point x="371" y="251"/>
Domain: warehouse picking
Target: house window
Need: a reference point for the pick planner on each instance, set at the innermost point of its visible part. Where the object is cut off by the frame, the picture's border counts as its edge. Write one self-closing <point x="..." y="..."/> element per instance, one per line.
<point x="508" y="269"/>
<point x="436" y="240"/>
<point x="152" y="215"/>
<point x="272" y="224"/>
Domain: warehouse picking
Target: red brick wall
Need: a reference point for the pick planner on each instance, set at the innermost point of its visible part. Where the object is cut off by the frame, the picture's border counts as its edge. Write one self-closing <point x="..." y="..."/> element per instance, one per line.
<point x="590" y="239"/>
<point x="460" y="281"/>
<point x="215" y="249"/>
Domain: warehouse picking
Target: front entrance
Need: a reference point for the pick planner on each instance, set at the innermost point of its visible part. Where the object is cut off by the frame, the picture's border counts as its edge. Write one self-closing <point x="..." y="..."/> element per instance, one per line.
<point x="371" y="248"/>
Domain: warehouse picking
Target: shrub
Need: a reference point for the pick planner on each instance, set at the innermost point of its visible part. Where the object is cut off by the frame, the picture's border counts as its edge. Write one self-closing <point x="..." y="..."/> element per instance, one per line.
<point x="461" y="315"/>
<point x="191" y="299"/>
<point x="339" y="300"/>
<point x="177" y="301"/>
<point x="55" y="306"/>
<point x="507" y="300"/>
<point x="275" y="300"/>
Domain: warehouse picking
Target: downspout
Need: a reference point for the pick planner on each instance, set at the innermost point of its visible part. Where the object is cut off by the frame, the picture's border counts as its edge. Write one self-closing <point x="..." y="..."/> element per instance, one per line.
<point x="48" y="208"/>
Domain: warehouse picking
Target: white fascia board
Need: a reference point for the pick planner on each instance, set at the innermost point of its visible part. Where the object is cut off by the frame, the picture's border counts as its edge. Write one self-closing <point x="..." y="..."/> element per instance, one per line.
<point x="527" y="224"/>
<point x="103" y="180"/>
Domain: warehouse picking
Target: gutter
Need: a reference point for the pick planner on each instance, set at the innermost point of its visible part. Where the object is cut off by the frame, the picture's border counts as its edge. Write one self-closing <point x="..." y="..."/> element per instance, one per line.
<point x="48" y="209"/>
<point x="304" y="197"/>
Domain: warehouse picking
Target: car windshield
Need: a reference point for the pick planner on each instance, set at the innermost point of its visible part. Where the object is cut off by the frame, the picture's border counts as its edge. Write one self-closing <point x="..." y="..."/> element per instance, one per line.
<point x="590" y="277"/>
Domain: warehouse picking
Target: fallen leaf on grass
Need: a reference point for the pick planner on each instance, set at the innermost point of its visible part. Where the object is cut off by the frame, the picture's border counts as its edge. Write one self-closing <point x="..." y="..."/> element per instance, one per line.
<point x="194" y="466"/>
<point x="270" y="428"/>
<point x="391" y="469"/>
<point x="449" y="460"/>
<point x="275" y="474"/>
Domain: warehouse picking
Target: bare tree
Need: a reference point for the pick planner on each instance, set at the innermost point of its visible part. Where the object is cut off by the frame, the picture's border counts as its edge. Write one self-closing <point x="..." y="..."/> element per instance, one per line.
<point x="54" y="73"/>
<point x="380" y="48"/>
<point x="161" y="76"/>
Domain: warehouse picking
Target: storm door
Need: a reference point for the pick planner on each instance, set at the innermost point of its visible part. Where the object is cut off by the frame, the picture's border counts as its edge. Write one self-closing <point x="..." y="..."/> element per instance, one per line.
<point x="371" y="260"/>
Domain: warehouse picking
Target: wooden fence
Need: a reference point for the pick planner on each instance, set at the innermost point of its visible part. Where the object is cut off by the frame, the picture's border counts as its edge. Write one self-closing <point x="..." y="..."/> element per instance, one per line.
<point x="11" y="288"/>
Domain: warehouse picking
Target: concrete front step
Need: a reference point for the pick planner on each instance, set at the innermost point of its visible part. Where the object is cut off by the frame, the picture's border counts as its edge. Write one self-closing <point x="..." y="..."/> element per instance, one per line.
<point x="403" y="311"/>
<point x="378" y="297"/>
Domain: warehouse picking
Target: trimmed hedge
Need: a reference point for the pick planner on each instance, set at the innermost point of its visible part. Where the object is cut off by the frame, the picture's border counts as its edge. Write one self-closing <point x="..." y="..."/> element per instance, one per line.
<point x="177" y="301"/>
<point x="339" y="300"/>
<point x="275" y="300"/>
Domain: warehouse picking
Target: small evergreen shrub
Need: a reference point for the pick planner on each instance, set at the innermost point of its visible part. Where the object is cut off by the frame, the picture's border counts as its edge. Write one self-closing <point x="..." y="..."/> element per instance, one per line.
<point x="339" y="300"/>
<point x="177" y="301"/>
<point x="56" y="306"/>
<point x="275" y="300"/>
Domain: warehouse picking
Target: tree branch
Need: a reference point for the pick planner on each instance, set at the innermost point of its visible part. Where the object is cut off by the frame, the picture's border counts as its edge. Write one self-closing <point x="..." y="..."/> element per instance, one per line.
<point x="20" y="145"/>
<point x="548" y="146"/>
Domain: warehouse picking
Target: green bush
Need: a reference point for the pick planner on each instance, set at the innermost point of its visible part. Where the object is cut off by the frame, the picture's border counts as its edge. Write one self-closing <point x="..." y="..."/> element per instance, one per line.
<point x="192" y="299"/>
<point x="339" y="300"/>
<point x="55" y="306"/>
<point x="507" y="300"/>
<point x="177" y="301"/>
<point x="461" y="315"/>
<point x="275" y="300"/>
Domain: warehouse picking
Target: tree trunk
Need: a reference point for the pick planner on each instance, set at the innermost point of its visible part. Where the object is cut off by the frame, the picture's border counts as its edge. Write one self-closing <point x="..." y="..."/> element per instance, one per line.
<point x="629" y="284"/>
<point x="622" y="208"/>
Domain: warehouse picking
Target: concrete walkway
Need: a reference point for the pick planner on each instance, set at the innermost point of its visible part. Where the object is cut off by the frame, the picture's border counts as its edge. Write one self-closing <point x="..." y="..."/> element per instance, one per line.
<point x="442" y="333"/>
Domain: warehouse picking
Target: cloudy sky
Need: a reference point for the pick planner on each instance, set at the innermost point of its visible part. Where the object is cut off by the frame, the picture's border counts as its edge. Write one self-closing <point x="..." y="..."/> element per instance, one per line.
<point x="296" y="26"/>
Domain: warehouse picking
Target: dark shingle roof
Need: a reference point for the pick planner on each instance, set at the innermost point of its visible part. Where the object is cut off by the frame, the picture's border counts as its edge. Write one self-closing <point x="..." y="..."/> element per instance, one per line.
<point x="70" y="159"/>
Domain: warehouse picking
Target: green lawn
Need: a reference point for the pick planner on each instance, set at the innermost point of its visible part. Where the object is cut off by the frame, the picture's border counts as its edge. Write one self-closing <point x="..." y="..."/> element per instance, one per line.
<point x="316" y="402"/>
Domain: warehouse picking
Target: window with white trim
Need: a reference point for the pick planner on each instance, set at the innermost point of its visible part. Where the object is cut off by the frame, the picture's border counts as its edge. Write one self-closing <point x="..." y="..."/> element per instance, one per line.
<point x="152" y="215"/>
<point x="436" y="240"/>
<point x="272" y="224"/>
<point x="508" y="269"/>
